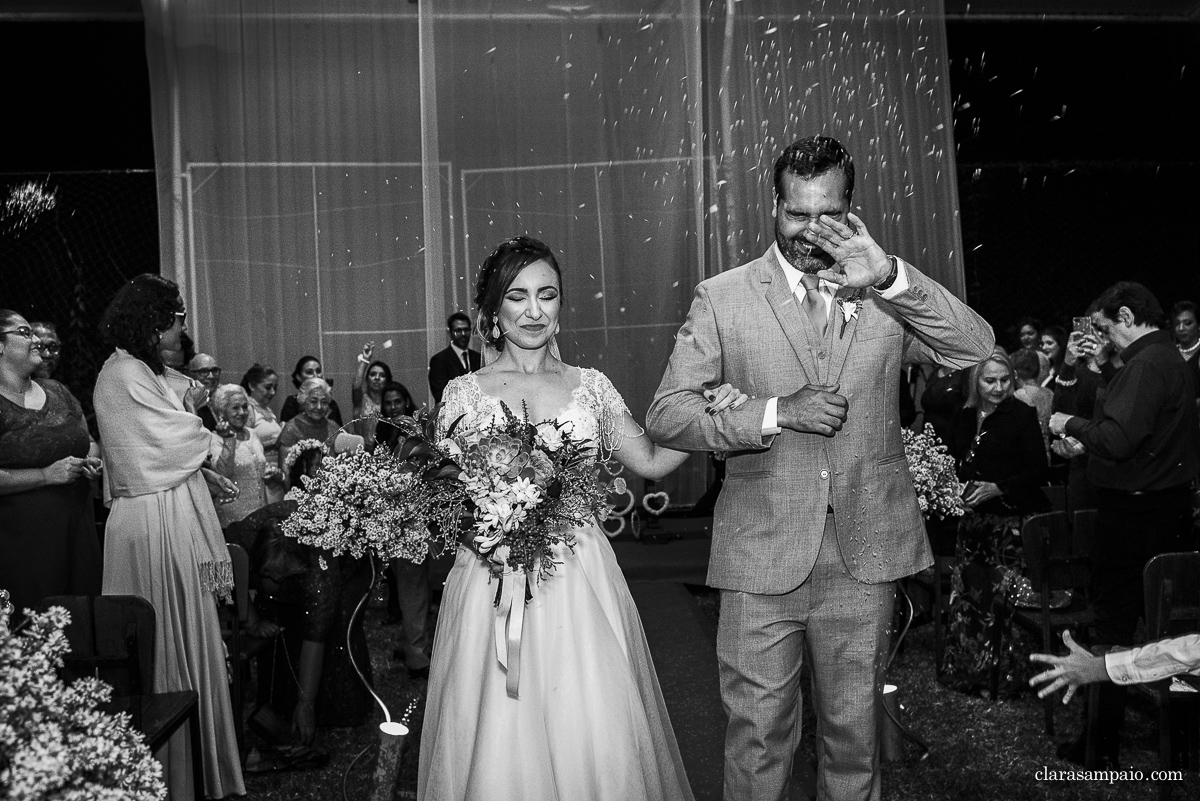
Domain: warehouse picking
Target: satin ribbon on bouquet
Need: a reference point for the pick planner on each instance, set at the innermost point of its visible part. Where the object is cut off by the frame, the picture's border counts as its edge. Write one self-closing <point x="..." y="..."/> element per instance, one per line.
<point x="511" y="596"/>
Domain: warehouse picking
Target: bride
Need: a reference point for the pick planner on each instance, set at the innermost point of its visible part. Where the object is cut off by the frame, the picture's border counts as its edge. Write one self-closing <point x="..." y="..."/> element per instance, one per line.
<point x="590" y="722"/>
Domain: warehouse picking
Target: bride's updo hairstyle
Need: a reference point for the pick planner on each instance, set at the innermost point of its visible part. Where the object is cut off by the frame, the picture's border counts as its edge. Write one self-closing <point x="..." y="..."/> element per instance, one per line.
<point x="496" y="275"/>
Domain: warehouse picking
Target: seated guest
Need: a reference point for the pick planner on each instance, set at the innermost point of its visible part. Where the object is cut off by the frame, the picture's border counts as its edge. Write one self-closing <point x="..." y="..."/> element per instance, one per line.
<point x="313" y="400"/>
<point x="944" y="395"/>
<point x="260" y="384"/>
<point x="314" y="684"/>
<point x="1054" y="346"/>
<point x="308" y="367"/>
<point x="236" y="453"/>
<point x="1025" y="368"/>
<point x="204" y="370"/>
<point x="997" y="444"/>
<point x="51" y="347"/>
<point x="48" y="542"/>
<point x="367" y="393"/>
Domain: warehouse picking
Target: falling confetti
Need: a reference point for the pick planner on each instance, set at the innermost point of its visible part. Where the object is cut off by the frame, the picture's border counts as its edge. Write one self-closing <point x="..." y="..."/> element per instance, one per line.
<point x="24" y="204"/>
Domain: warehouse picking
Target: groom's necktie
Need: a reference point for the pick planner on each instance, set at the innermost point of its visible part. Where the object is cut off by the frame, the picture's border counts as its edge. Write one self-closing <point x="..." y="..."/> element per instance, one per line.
<point x="466" y="361"/>
<point x="814" y="304"/>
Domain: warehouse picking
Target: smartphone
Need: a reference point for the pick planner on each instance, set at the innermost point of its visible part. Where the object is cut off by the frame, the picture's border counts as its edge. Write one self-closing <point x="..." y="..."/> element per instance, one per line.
<point x="1082" y="324"/>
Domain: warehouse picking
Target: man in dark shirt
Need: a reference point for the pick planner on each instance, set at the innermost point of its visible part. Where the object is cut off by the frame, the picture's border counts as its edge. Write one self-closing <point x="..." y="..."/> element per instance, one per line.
<point x="1143" y="443"/>
<point x="456" y="360"/>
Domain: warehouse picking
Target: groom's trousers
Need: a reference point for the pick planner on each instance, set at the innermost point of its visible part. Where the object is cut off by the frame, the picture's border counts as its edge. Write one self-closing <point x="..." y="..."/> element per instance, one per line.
<point x="843" y="627"/>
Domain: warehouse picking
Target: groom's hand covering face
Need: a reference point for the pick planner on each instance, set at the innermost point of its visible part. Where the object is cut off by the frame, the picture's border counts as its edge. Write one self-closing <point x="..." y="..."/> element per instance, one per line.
<point x="803" y="201"/>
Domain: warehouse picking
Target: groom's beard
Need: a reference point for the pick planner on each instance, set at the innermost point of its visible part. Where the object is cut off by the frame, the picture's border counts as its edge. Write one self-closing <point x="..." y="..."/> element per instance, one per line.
<point x="803" y="255"/>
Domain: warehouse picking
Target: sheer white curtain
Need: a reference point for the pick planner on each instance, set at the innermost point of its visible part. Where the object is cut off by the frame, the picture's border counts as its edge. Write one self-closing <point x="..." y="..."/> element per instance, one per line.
<point x="335" y="172"/>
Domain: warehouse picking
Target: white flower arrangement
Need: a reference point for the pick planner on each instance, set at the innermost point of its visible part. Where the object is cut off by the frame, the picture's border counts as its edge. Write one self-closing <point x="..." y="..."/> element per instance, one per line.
<point x="939" y="493"/>
<point x="54" y="742"/>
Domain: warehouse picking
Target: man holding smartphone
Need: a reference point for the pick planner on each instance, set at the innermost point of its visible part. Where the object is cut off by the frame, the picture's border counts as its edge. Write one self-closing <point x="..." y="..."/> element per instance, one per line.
<point x="1143" y="443"/>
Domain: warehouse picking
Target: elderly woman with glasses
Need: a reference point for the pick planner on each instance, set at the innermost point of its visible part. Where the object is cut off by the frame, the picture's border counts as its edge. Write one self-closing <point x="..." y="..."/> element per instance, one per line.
<point x="313" y="400"/>
<point x="236" y="453"/>
<point x="48" y="543"/>
<point x="308" y="367"/>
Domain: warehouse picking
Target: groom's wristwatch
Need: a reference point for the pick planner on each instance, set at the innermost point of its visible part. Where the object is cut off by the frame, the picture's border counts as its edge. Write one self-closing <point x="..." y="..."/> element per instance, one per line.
<point x="886" y="284"/>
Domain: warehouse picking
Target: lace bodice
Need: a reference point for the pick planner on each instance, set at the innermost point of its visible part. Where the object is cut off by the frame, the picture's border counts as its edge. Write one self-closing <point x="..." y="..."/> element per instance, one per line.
<point x="596" y="410"/>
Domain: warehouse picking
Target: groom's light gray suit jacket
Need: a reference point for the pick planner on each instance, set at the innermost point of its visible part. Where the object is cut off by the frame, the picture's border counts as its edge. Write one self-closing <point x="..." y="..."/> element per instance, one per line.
<point x="745" y="327"/>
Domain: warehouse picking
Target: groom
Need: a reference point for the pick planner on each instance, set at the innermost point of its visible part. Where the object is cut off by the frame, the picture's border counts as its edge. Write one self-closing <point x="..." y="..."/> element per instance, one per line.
<point x="818" y="516"/>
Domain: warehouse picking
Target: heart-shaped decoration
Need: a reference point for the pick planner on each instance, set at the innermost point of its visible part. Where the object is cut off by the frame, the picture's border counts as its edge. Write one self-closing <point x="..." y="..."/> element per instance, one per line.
<point x="614" y="510"/>
<point x="655" y="502"/>
<point x="618" y="522"/>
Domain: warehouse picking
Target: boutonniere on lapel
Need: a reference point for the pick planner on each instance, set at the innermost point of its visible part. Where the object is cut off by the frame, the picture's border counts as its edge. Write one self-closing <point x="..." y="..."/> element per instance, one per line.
<point x="849" y="306"/>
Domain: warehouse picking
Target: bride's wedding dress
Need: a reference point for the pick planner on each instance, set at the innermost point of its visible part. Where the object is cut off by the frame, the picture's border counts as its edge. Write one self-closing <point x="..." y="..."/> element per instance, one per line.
<point x="590" y="722"/>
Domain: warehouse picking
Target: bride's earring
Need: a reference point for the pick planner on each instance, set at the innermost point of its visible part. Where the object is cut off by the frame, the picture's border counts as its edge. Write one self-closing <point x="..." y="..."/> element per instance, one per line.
<point x="555" y="329"/>
<point x="495" y="331"/>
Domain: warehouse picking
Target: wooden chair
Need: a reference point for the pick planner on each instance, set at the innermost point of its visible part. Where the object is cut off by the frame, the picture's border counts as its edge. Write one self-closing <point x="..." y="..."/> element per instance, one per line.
<point x="112" y="638"/>
<point x="241" y="646"/>
<point x="1171" y="583"/>
<point x="1055" y="563"/>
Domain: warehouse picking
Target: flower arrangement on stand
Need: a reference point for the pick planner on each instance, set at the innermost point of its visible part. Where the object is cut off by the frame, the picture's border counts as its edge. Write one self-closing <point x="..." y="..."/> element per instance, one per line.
<point x="939" y="493"/>
<point x="54" y="741"/>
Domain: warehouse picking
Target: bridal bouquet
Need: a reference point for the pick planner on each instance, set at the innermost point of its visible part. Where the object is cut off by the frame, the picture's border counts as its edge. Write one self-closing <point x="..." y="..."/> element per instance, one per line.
<point x="939" y="493"/>
<point x="54" y="742"/>
<point x="526" y="488"/>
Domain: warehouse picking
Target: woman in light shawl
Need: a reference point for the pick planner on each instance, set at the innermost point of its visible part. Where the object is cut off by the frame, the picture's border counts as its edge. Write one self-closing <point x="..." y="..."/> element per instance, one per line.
<point x="163" y="540"/>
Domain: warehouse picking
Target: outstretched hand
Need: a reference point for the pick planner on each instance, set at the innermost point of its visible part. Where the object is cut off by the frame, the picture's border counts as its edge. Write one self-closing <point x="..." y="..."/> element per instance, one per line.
<point x="1072" y="671"/>
<point x="862" y="262"/>
<point x="813" y="409"/>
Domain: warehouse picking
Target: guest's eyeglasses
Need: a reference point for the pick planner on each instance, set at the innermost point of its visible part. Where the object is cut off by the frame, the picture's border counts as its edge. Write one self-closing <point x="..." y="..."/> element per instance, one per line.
<point x="53" y="348"/>
<point x="182" y="316"/>
<point x="208" y="371"/>
<point x="22" y="331"/>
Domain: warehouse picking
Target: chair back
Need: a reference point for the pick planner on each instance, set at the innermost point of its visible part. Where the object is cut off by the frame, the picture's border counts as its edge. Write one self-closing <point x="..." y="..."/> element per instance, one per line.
<point x="1171" y="583"/>
<point x="111" y="638"/>
<point x="241" y="580"/>
<point x="1050" y="553"/>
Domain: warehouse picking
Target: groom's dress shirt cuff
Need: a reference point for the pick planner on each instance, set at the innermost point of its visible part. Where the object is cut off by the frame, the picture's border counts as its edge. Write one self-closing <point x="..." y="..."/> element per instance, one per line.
<point x="901" y="282"/>
<point x="770" y="423"/>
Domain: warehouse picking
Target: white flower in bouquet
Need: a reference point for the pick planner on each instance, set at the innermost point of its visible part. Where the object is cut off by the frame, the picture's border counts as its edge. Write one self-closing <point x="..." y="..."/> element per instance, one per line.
<point x="549" y="437"/>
